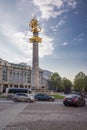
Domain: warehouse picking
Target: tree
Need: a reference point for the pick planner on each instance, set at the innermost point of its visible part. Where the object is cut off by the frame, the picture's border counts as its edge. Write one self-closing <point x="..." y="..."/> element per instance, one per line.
<point x="67" y="84"/>
<point x="56" y="82"/>
<point x="79" y="81"/>
<point x="85" y="83"/>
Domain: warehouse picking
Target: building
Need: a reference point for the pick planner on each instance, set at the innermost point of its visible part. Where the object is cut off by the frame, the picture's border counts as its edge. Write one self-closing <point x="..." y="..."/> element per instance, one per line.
<point x="47" y="74"/>
<point x="14" y="75"/>
<point x="19" y="75"/>
<point x="46" y="78"/>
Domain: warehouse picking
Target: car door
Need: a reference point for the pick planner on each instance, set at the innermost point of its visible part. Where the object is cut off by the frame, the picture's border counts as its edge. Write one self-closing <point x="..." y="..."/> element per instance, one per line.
<point x="41" y="97"/>
<point x="19" y="97"/>
<point x="46" y="97"/>
<point x="22" y="97"/>
<point x="38" y="97"/>
<point x="25" y="97"/>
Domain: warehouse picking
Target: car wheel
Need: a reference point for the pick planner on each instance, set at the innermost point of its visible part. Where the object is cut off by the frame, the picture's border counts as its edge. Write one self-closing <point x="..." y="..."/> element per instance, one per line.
<point x="78" y="104"/>
<point x="84" y="103"/>
<point x="29" y="100"/>
<point x="15" y="100"/>
<point x="50" y="99"/>
<point x="65" y="104"/>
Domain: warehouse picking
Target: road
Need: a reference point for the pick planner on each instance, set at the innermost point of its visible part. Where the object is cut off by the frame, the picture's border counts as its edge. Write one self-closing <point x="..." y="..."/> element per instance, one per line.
<point x="41" y="116"/>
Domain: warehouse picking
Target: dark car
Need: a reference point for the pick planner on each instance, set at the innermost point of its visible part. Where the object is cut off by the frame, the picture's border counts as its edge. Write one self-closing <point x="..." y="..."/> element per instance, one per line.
<point x="74" y="100"/>
<point x="44" y="97"/>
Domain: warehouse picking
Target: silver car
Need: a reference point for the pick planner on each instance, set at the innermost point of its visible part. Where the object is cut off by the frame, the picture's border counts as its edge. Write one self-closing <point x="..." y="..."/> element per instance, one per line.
<point x="23" y="97"/>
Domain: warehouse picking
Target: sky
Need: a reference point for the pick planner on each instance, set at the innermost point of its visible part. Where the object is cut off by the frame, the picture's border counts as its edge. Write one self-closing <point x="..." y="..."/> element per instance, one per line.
<point x="63" y="31"/>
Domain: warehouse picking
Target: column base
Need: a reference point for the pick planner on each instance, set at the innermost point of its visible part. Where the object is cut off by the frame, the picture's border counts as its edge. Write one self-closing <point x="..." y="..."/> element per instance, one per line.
<point x="40" y="90"/>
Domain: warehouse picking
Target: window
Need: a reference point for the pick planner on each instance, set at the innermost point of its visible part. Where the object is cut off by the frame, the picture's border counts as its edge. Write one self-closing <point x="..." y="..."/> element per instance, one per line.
<point x="4" y="73"/>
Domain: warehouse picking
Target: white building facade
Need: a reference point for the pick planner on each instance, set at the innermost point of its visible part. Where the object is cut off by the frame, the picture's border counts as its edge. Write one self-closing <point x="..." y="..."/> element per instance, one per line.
<point x="19" y="76"/>
<point x="14" y="75"/>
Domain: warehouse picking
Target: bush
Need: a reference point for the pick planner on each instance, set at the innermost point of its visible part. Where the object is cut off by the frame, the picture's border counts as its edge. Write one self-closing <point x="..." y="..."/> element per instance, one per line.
<point x="2" y="96"/>
<point x="58" y="96"/>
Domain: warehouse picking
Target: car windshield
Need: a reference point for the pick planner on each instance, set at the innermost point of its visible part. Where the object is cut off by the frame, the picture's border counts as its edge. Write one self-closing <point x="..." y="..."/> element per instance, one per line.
<point x="72" y="96"/>
<point x="21" y="94"/>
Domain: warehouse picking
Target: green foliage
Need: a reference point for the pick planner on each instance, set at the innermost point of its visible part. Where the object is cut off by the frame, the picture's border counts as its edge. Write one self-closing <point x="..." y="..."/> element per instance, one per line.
<point x="80" y="75"/>
<point x="2" y="96"/>
<point x="67" y="84"/>
<point x="80" y="82"/>
<point x="85" y="83"/>
<point x="55" y="82"/>
<point x="59" y="84"/>
<point x="57" y="96"/>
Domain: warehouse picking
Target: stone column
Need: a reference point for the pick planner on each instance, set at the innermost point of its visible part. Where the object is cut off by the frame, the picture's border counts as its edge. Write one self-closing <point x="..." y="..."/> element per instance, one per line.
<point x="1" y="87"/>
<point x="8" y="86"/>
<point x="35" y="65"/>
<point x="35" y="29"/>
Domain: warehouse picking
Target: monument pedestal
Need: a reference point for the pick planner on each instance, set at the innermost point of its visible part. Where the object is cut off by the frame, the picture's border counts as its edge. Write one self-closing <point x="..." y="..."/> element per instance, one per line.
<point x="41" y="90"/>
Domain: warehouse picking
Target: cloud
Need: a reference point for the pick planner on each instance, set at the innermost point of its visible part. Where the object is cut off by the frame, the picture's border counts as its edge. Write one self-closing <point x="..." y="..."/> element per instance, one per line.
<point x="54" y="28"/>
<point x="47" y="7"/>
<point x="54" y="8"/>
<point x="46" y="47"/>
<point x="79" y="37"/>
<point x="18" y="45"/>
<point x="15" y="45"/>
<point x="65" y="44"/>
<point x="61" y="22"/>
<point x="71" y="3"/>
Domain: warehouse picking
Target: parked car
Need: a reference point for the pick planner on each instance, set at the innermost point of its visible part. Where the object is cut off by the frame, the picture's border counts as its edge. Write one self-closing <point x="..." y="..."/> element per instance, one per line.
<point x="23" y="97"/>
<point x="44" y="97"/>
<point x="84" y="94"/>
<point x="74" y="100"/>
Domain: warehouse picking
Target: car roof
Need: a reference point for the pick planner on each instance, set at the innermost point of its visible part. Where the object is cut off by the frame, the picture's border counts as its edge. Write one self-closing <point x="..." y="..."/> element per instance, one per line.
<point x="73" y="95"/>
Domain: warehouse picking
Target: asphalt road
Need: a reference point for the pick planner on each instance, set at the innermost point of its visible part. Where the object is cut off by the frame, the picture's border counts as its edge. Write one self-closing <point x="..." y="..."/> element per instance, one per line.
<point x="41" y="116"/>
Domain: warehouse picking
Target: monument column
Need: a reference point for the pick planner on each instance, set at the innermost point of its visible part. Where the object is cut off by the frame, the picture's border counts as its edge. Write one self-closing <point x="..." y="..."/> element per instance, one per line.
<point x="35" y="28"/>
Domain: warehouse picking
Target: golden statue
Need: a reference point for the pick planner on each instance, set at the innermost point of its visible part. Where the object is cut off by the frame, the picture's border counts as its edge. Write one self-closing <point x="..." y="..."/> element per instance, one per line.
<point x="34" y="26"/>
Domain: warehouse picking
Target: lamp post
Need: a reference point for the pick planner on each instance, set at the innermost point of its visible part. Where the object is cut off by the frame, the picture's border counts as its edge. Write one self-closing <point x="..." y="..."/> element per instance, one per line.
<point x="35" y="39"/>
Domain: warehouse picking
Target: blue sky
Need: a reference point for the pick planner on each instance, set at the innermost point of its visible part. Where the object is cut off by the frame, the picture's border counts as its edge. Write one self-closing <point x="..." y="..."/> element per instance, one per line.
<point x="64" y="32"/>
